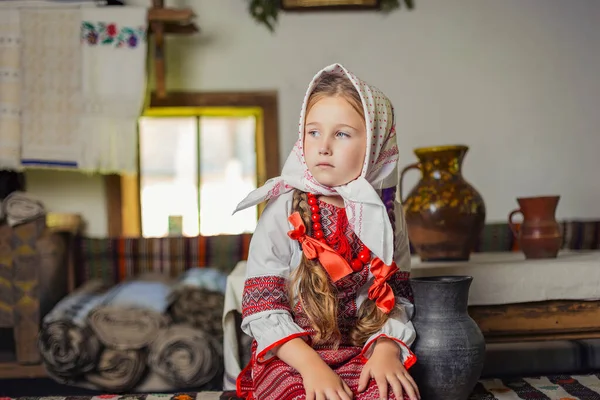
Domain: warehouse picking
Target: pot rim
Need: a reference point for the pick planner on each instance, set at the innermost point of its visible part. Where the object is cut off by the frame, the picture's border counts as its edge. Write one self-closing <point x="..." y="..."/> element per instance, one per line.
<point x="545" y="197"/>
<point x="442" y="279"/>
<point x="432" y="149"/>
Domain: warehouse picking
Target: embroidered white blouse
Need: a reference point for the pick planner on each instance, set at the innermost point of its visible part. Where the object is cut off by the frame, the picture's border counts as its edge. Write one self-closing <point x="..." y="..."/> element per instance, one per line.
<point x="274" y="256"/>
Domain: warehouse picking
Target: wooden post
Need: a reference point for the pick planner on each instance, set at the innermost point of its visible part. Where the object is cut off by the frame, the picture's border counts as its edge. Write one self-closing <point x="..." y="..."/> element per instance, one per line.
<point x="159" y="51"/>
<point x="161" y="21"/>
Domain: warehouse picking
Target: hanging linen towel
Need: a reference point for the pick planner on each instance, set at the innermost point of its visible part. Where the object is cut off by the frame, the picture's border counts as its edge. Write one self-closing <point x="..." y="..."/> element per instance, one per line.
<point x="114" y="51"/>
<point x="10" y="90"/>
<point x="51" y="87"/>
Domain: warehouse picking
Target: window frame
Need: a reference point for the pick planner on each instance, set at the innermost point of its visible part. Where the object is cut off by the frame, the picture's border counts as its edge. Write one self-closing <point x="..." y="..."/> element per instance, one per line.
<point x="123" y="200"/>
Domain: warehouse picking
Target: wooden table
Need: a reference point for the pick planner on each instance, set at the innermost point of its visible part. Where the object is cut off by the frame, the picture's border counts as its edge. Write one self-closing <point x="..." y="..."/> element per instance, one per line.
<point x="513" y="299"/>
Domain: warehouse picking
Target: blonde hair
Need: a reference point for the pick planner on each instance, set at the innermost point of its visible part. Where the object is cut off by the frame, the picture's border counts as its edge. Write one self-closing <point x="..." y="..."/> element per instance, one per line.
<point x="318" y="297"/>
<point x="332" y="85"/>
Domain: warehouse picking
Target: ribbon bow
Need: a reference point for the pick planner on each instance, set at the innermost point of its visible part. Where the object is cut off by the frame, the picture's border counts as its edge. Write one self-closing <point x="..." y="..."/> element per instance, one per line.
<point x="380" y="291"/>
<point x="335" y="265"/>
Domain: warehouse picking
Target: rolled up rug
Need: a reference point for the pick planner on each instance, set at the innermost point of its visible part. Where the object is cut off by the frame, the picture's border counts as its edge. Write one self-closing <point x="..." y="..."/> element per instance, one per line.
<point x="198" y="299"/>
<point x="126" y="328"/>
<point x="67" y="346"/>
<point x="199" y="308"/>
<point x="19" y="208"/>
<point x="186" y="356"/>
<point x="131" y="314"/>
<point x="118" y="370"/>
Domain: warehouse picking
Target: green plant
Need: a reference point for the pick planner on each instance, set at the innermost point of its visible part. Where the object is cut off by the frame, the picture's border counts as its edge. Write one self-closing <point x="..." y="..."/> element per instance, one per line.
<point x="266" y="11"/>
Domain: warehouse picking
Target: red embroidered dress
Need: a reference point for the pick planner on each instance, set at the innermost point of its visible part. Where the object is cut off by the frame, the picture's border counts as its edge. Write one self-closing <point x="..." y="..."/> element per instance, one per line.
<point x="268" y="317"/>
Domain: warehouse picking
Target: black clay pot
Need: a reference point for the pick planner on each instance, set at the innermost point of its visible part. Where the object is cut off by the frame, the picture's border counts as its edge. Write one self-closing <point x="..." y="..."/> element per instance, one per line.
<point x="450" y="347"/>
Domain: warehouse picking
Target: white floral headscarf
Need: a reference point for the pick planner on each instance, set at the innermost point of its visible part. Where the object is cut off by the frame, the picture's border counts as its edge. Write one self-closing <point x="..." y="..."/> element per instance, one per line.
<point x="366" y="212"/>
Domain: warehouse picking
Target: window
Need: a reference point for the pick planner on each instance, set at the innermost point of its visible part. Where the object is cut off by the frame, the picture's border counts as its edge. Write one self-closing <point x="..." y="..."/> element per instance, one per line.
<point x="194" y="170"/>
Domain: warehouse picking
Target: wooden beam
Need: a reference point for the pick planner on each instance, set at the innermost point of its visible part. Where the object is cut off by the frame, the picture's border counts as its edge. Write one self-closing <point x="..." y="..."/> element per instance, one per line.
<point x="538" y="320"/>
<point x="160" y="14"/>
<point x="13" y="370"/>
<point x="178" y="29"/>
<point x="112" y="186"/>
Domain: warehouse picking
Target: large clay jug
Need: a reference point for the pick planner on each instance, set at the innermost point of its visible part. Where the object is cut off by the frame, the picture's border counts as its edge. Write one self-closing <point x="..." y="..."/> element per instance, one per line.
<point x="539" y="234"/>
<point x="444" y="213"/>
<point x="450" y="347"/>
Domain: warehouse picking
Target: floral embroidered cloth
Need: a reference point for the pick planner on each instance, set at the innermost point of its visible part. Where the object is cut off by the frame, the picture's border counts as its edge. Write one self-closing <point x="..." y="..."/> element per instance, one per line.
<point x="113" y="86"/>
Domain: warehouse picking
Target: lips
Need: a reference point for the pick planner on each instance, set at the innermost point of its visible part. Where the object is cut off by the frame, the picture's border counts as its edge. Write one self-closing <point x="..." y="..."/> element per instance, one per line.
<point x="324" y="165"/>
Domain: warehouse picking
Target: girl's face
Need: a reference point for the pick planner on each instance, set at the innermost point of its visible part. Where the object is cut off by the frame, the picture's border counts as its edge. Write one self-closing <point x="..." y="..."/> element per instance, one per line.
<point x="335" y="141"/>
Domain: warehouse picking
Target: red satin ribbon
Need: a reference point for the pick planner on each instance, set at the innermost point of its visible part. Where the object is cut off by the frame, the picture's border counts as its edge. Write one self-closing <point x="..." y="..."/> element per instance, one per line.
<point x="380" y="291"/>
<point x="335" y="265"/>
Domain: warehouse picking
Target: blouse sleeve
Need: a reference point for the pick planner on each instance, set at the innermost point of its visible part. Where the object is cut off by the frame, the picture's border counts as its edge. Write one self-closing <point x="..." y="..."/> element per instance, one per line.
<point x="266" y="310"/>
<point x="398" y="327"/>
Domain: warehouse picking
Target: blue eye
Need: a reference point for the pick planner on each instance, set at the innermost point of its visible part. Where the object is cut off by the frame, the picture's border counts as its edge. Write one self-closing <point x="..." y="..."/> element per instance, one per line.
<point x="342" y="134"/>
<point x="313" y="133"/>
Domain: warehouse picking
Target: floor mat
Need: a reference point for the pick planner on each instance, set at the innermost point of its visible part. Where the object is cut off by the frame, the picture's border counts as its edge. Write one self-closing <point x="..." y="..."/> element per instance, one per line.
<point x="555" y="387"/>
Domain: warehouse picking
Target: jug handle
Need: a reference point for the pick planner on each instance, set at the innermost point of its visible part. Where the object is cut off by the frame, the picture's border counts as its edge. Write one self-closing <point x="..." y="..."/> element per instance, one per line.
<point x="416" y="165"/>
<point x="511" y="224"/>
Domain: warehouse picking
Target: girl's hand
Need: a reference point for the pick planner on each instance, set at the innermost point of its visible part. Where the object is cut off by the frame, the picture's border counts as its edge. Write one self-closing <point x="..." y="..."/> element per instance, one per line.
<point x="321" y="383"/>
<point x="385" y="367"/>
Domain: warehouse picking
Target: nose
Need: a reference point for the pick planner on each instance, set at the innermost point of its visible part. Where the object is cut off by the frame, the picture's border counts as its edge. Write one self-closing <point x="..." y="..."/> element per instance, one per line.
<point x="323" y="151"/>
<point x="325" y="147"/>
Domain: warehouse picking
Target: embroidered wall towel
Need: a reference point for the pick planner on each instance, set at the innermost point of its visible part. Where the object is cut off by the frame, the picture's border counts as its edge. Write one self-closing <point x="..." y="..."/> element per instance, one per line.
<point x="10" y="90"/>
<point x="114" y="51"/>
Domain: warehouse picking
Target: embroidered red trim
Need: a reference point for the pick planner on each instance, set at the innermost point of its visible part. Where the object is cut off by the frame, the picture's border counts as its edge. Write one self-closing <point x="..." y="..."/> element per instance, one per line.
<point x="410" y="360"/>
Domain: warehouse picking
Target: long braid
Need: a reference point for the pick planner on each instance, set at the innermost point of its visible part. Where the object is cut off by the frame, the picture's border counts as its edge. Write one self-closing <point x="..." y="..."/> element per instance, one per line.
<point x="370" y="318"/>
<point x="312" y="286"/>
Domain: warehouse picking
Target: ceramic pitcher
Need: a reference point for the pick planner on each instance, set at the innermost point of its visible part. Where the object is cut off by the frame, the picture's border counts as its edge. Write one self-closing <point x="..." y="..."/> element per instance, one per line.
<point x="444" y="213"/>
<point x="539" y="234"/>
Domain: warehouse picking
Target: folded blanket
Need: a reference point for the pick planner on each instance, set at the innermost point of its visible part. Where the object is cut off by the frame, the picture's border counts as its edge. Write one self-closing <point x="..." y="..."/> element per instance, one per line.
<point x="208" y="278"/>
<point x="118" y="370"/>
<point x="131" y="314"/>
<point x="186" y="357"/>
<point x="19" y="208"/>
<point x="67" y="346"/>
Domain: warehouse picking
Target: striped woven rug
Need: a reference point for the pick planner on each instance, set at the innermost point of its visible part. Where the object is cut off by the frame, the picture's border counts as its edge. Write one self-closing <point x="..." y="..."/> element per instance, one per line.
<point x="558" y="387"/>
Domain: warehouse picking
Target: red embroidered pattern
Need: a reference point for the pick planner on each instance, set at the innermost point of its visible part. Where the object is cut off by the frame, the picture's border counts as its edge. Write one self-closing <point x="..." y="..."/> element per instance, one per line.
<point x="264" y="293"/>
<point x="331" y="220"/>
<point x="275" y="380"/>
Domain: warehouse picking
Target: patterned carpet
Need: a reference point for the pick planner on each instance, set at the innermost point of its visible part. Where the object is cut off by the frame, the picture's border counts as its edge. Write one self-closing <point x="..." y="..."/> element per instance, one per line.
<point x="557" y="387"/>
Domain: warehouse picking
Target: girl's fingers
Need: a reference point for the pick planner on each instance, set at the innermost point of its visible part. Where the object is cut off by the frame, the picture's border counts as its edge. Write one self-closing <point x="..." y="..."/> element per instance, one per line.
<point x="347" y="390"/>
<point x="413" y="383"/>
<point x="382" y="385"/>
<point x="396" y="385"/>
<point x="363" y="380"/>
<point x="408" y="386"/>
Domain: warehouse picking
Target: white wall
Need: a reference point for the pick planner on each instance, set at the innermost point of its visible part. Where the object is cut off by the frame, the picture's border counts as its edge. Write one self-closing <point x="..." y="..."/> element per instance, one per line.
<point x="515" y="80"/>
<point x="72" y="192"/>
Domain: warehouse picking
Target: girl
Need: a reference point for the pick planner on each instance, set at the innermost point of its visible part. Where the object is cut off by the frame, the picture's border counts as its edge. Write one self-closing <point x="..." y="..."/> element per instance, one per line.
<point x="326" y="297"/>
